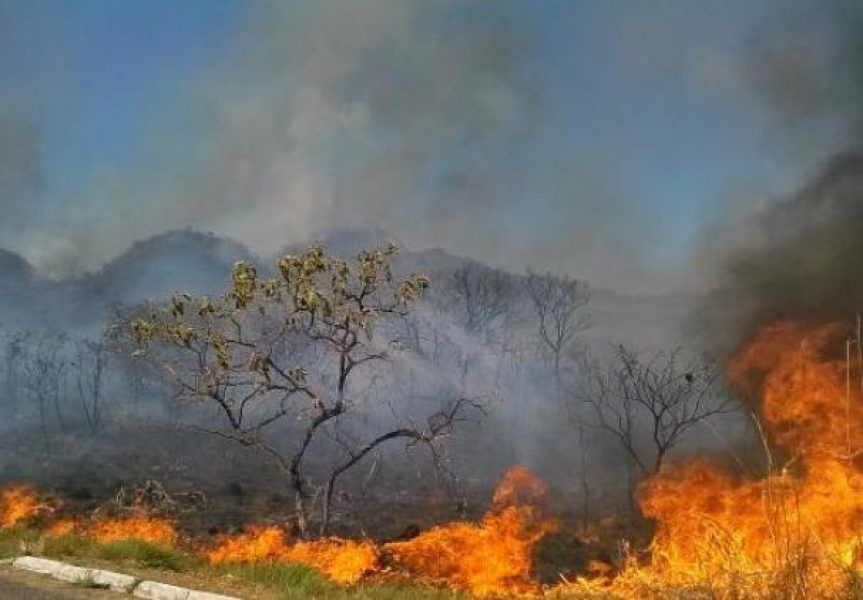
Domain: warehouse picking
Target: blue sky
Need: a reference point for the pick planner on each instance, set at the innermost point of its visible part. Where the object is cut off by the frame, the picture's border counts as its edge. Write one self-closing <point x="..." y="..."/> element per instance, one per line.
<point x="601" y="144"/>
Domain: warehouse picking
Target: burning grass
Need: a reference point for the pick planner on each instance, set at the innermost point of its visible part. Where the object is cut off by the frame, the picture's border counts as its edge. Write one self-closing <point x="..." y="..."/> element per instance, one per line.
<point x="493" y="557"/>
<point x="794" y="531"/>
<point x="342" y="561"/>
<point x="18" y="504"/>
<point x="490" y="558"/>
<point x="142" y="528"/>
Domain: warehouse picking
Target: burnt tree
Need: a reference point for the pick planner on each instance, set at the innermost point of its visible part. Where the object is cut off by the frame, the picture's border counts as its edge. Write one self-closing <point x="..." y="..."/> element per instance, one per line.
<point x="648" y="404"/>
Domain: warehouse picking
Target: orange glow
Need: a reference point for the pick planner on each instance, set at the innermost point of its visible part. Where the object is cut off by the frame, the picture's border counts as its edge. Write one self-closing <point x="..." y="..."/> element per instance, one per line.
<point x="342" y="561"/>
<point x="155" y="530"/>
<point x="256" y="544"/>
<point x="63" y="527"/>
<point x="18" y="504"/>
<point x="794" y="532"/>
<point x="490" y="558"/>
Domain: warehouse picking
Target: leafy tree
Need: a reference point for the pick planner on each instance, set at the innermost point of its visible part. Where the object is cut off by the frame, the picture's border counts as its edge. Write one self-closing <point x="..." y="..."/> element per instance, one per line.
<point x="286" y="349"/>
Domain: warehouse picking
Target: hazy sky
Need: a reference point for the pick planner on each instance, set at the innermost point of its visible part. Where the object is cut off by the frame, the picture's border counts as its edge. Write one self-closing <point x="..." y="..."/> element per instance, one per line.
<point x="593" y="137"/>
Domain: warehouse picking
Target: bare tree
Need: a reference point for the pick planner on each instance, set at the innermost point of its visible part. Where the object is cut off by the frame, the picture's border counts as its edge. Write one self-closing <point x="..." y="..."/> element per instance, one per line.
<point x="560" y="304"/>
<point x="648" y="405"/>
<point x="89" y="367"/>
<point x="44" y="372"/>
<point x="15" y="349"/>
<point x="484" y="295"/>
<point x="284" y="351"/>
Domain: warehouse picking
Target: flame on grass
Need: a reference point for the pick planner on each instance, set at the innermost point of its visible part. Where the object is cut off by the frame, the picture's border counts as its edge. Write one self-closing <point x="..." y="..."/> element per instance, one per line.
<point x="155" y="530"/>
<point x="489" y="558"/>
<point x="18" y="504"/>
<point x="795" y="531"/>
<point x="342" y="561"/>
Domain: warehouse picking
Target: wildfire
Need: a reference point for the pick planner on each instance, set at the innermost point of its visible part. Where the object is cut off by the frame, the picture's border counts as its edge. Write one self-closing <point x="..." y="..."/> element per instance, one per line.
<point x="491" y="558"/>
<point x="795" y="531"/>
<point x="342" y="561"/>
<point x="18" y="504"/>
<point x="61" y="527"/>
<point x="155" y="530"/>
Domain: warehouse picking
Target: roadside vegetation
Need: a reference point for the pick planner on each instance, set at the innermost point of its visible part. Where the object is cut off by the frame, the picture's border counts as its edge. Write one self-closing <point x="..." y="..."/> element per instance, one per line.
<point x="267" y="581"/>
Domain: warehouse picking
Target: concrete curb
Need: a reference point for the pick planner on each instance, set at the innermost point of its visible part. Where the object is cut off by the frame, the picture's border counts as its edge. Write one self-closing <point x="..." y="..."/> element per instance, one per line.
<point x="151" y="590"/>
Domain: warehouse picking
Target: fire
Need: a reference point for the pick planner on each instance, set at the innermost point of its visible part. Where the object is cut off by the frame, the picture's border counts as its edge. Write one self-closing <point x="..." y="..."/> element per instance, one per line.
<point x="491" y="558"/>
<point x="795" y="531"/>
<point x="257" y="544"/>
<point x="342" y="561"/>
<point x="18" y="504"/>
<point x="155" y="530"/>
<point x="61" y="527"/>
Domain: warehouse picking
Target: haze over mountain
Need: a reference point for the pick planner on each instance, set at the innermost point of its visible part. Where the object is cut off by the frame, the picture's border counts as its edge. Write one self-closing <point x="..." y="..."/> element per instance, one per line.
<point x="200" y="263"/>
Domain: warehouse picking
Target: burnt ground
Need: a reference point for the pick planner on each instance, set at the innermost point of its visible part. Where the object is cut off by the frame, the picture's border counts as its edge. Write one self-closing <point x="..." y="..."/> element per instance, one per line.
<point x="210" y="488"/>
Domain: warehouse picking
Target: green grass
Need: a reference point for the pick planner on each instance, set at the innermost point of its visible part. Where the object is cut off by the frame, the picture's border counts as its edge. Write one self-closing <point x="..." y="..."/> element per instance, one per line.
<point x="296" y="582"/>
<point x="17" y="540"/>
<point x="67" y="545"/>
<point x="280" y="577"/>
<point x="126" y="551"/>
<point x="142" y="553"/>
<point x="270" y="581"/>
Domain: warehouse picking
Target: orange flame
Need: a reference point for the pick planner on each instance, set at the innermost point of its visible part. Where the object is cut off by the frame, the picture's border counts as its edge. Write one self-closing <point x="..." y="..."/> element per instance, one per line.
<point x="155" y="530"/>
<point x="61" y="527"/>
<point x="18" y="504"/>
<point x="256" y="544"/>
<point x="342" y="561"/>
<point x="795" y="531"/>
<point x="492" y="558"/>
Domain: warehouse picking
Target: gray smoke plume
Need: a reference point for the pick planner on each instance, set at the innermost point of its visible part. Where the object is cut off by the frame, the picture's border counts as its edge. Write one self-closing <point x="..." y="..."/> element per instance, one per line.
<point x="19" y="171"/>
<point x="806" y="264"/>
<point x="424" y="118"/>
<point x="799" y="257"/>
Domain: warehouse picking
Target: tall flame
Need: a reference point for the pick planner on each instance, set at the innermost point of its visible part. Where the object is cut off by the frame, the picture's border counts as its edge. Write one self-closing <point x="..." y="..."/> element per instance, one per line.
<point x="18" y="504"/>
<point x="493" y="557"/>
<point x="794" y="531"/>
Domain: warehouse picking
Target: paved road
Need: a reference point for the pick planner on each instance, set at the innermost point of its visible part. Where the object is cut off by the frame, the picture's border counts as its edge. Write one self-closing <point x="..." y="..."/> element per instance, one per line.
<point x="22" y="585"/>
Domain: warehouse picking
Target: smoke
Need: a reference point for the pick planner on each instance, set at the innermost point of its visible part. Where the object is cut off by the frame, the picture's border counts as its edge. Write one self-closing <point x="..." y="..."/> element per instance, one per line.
<point x="805" y="74"/>
<point x="19" y="171"/>
<point x="805" y="263"/>
<point x="386" y="112"/>
<point x="323" y="115"/>
<point x="797" y="257"/>
<point x="425" y="119"/>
